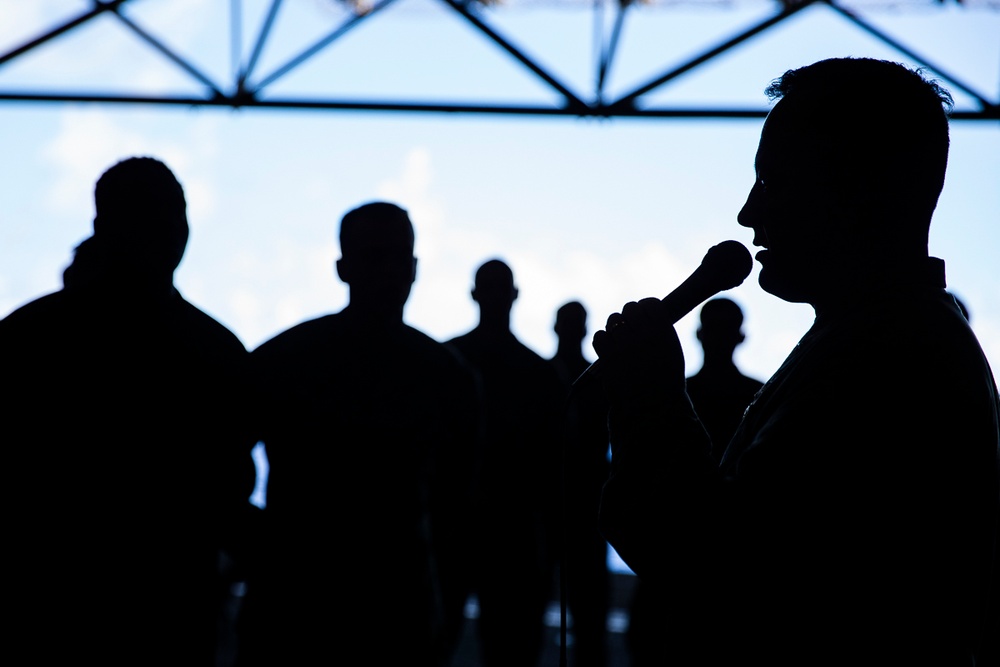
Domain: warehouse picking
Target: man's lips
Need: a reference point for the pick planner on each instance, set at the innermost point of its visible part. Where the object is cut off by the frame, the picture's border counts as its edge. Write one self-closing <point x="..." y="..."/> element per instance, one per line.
<point x="762" y="255"/>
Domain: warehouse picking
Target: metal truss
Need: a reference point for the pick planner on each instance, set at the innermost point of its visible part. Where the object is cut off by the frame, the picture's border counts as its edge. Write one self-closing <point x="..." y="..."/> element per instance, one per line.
<point x="247" y="87"/>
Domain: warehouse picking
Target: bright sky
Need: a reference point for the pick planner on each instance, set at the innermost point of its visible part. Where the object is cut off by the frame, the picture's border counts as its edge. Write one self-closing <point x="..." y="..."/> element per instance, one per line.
<point x="600" y="211"/>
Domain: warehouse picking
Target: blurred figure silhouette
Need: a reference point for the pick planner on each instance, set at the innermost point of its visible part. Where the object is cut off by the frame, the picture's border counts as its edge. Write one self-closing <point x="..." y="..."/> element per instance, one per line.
<point x="720" y="394"/>
<point x="128" y="464"/>
<point x="370" y="429"/>
<point x="585" y="469"/>
<point x="519" y="484"/>
<point x="989" y="656"/>
<point x="853" y="519"/>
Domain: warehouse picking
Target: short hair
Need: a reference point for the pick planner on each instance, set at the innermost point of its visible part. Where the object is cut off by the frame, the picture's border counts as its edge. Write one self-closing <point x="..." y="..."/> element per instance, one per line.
<point x="572" y="309"/>
<point x="360" y="220"/>
<point x="721" y="313"/>
<point x="895" y="115"/>
<point x="135" y="186"/>
<point x="492" y="271"/>
<point x="571" y="314"/>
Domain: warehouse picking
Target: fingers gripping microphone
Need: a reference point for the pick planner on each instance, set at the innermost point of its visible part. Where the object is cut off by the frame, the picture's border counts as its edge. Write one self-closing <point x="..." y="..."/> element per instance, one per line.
<point x="724" y="267"/>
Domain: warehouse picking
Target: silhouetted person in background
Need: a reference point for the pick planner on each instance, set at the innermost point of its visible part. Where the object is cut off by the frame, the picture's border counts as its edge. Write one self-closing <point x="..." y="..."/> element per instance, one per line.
<point x="370" y="429"/>
<point x="853" y="520"/>
<point x="519" y="485"/>
<point x="989" y="656"/>
<point x="720" y="394"/>
<point x="585" y="469"/>
<point x="127" y="466"/>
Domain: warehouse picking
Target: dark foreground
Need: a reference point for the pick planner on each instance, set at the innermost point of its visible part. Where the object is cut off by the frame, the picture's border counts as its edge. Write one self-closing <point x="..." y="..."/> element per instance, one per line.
<point x="468" y="651"/>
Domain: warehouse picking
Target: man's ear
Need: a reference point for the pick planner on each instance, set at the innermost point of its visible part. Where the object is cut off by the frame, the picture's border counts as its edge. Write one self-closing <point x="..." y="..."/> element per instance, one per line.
<point x="474" y="296"/>
<point x="413" y="271"/>
<point x="343" y="271"/>
<point x="514" y="294"/>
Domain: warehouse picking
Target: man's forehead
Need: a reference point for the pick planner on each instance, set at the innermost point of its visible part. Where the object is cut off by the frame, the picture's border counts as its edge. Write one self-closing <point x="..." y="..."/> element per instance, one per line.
<point x="789" y="135"/>
<point x="494" y="274"/>
<point x="381" y="244"/>
<point x="779" y="128"/>
<point x="379" y="235"/>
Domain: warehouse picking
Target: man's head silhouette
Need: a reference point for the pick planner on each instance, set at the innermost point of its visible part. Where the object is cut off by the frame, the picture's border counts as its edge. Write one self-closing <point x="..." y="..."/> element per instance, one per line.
<point x="721" y="325"/>
<point x="571" y="323"/>
<point x="141" y="217"/>
<point x="494" y="290"/>
<point x="848" y="171"/>
<point x="377" y="262"/>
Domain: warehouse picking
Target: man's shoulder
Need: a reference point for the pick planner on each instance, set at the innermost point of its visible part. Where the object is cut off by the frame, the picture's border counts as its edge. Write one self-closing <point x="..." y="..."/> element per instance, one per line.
<point x="915" y="355"/>
<point x="441" y="354"/>
<point x="468" y="347"/>
<point x="301" y="338"/>
<point x="417" y="337"/>
<point x="919" y="332"/>
<point x="42" y="306"/>
<point x="33" y="321"/>
<point x="533" y="359"/>
<point x="509" y="348"/>
<point x="208" y="327"/>
<point x="461" y="339"/>
<point x="540" y="372"/>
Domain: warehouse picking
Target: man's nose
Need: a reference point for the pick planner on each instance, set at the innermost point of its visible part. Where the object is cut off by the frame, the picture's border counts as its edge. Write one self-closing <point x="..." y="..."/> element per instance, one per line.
<point x="747" y="216"/>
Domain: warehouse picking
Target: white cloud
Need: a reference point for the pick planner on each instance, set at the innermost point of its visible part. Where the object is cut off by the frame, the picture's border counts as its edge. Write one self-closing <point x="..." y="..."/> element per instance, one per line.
<point x="412" y="190"/>
<point x="26" y="20"/>
<point x="90" y="140"/>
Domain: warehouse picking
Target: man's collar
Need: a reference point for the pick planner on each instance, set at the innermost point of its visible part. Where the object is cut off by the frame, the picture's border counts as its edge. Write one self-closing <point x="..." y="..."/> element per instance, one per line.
<point x="920" y="275"/>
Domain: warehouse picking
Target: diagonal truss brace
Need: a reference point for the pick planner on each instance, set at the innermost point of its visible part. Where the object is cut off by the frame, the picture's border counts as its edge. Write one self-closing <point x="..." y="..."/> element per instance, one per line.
<point x="246" y="91"/>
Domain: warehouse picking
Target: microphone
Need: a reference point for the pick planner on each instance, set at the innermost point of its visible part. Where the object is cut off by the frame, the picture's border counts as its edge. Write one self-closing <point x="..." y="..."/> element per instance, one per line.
<point x="724" y="267"/>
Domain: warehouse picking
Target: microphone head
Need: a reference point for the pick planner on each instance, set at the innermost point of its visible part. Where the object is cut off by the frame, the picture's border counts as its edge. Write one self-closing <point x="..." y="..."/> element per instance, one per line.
<point x="729" y="263"/>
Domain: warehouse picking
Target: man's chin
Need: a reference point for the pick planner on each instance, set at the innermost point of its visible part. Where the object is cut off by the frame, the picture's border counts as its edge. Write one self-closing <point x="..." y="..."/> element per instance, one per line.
<point x="774" y="282"/>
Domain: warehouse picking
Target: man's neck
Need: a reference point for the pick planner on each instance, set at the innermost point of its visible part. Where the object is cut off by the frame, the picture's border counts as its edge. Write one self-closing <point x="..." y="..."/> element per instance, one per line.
<point x="719" y="364"/>
<point x="865" y="278"/>
<point x="374" y="315"/>
<point x="494" y="324"/>
<point x="570" y="353"/>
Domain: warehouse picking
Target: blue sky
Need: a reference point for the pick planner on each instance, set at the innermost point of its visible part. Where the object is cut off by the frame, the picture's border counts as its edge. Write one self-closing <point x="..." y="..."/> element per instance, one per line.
<point x="600" y="211"/>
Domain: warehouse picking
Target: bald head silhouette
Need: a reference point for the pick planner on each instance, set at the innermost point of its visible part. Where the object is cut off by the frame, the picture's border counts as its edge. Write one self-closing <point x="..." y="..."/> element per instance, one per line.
<point x="495" y="293"/>
<point x="377" y="262"/>
<point x="571" y="323"/>
<point x="721" y="327"/>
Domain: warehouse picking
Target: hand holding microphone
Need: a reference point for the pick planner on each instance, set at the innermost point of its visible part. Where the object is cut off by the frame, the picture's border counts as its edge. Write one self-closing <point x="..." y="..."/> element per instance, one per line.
<point x="634" y="340"/>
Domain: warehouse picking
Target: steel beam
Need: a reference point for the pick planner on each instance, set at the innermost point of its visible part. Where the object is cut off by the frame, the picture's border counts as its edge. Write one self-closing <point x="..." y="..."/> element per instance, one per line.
<point x="243" y="91"/>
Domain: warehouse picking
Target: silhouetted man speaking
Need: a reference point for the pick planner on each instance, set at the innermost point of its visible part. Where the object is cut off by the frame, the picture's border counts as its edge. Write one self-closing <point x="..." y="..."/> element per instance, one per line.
<point x="853" y="517"/>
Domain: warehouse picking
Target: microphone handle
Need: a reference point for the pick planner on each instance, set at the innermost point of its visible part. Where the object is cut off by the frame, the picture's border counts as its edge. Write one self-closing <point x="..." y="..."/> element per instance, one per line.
<point x="724" y="266"/>
<point x="677" y="304"/>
